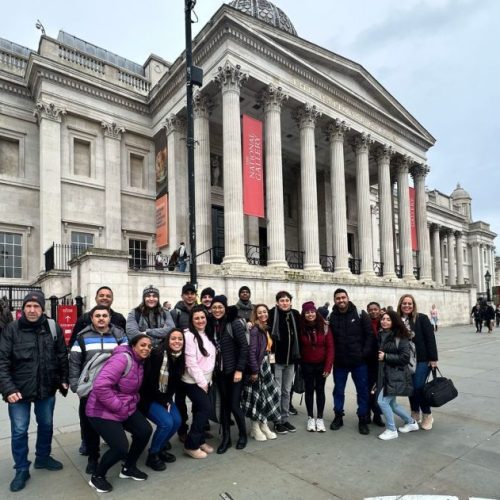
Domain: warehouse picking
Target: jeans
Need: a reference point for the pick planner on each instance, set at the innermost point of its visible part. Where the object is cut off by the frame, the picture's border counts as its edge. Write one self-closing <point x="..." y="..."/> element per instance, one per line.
<point x="359" y="376"/>
<point x="113" y="433"/>
<point x="314" y="382"/>
<point x="372" y="380"/>
<point x="417" y="402"/>
<point x="283" y="375"/>
<point x="19" y="414"/>
<point x="201" y="411"/>
<point x="182" y="263"/>
<point x="167" y="422"/>
<point x="389" y="407"/>
<point x="180" y="401"/>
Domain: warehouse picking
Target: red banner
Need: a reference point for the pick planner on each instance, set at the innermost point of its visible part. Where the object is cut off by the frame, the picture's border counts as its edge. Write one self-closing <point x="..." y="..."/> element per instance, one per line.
<point x="413" y="222"/>
<point x="253" y="167"/>
<point x="162" y="221"/>
<point x="66" y="318"/>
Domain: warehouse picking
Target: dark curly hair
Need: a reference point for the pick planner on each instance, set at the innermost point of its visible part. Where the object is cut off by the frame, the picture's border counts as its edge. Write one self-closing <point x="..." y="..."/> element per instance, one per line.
<point x="194" y="331"/>
<point x="398" y="327"/>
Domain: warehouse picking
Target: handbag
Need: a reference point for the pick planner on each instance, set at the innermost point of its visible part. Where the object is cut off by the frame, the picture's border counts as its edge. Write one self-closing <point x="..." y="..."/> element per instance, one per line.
<point x="214" y="398"/>
<point x="438" y="391"/>
<point x="299" y="386"/>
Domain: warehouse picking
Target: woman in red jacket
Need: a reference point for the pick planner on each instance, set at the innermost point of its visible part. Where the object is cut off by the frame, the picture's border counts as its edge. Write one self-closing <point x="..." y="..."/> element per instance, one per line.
<point x="316" y="353"/>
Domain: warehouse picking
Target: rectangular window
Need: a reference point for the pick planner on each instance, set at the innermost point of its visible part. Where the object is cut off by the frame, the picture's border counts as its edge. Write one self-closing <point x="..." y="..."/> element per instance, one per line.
<point x="11" y="255"/>
<point x="136" y="171"/>
<point x="80" y="242"/>
<point x="138" y="250"/>
<point x="9" y="157"/>
<point x="81" y="158"/>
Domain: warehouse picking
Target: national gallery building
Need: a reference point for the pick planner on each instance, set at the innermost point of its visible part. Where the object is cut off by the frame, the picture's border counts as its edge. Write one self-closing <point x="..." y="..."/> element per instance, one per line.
<point x="93" y="174"/>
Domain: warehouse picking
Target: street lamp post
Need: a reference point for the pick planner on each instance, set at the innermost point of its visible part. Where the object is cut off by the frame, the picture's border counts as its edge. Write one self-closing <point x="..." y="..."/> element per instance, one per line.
<point x="487" y="279"/>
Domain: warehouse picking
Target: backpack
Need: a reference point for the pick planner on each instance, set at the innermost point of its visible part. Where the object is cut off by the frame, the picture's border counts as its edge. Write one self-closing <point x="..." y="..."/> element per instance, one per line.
<point x="412" y="364"/>
<point x="244" y="323"/>
<point x="53" y="329"/>
<point x="92" y="369"/>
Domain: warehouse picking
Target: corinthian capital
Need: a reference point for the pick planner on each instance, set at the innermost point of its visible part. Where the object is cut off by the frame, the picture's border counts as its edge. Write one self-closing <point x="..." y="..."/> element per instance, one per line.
<point x="48" y="110"/>
<point x="174" y="123"/>
<point x="306" y="116"/>
<point x="336" y="130"/>
<point x="202" y="105"/>
<point x="362" y="143"/>
<point x="272" y="98"/>
<point x="230" y="77"/>
<point x="384" y="153"/>
<point x="403" y="164"/>
<point x="112" y="130"/>
<point x="419" y="170"/>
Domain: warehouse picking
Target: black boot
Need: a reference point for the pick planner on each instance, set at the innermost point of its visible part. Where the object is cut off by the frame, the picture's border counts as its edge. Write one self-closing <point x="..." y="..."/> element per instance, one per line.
<point x="226" y="443"/>
<point x="242" y="442"/>
<point x="363" y="426"/>
<point x="155" y="462"/>
<point x="337" y="422"/>
<point x="377" y="420"/>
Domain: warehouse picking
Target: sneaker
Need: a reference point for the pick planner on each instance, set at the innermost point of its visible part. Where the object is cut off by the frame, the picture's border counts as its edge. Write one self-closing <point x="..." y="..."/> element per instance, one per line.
<point x="292" y="410"/>
<point x="48" y="463"/>
<point x="91" y="467"/>
<point x="134" y="473"/>
<point x="427" y="421"/>
<point x="311" y="424"/>
<point x="409" y="427"/>
<point x="388" y="434"/>
<point x="289" y="427"/>
<point x="320" y="425"/>
<point x="155" y="462"/>
<point x="280" y="428"/>
<point x="195" y="453"/>
<point x="100" y="484"/>
<point x="19" y="481"/>
<point x="206" y="448"/>
<point x="337" y="422"/>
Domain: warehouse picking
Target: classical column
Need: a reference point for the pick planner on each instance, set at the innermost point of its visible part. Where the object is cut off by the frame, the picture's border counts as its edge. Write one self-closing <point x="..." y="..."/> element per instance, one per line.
<point x="493" y="270"/>
<point x="452" y="277"/>
<point x="383" y="156"/>
<point x="460" y="258"/>
<point x="405" y="247"/>
<point x="272" y="99"/>
<point x="476" y="266"/>
<point x="177" y="182"/>
<point x="361" y="148"/>
<point x="419" y="172"/>
<point x="202" y="187"/>
<point x="49" y="120"/>
<point x="230" y="79"/>
<point x="306" y="117"/>
<point x="436" y="241"/>
<point x="112" y="175"/>
<point x="336" y="133"/>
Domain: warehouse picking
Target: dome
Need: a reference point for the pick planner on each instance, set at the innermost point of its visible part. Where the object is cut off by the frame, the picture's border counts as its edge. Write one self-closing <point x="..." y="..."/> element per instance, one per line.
<point x="460" y="193"/>
<point x="265" y="11"/>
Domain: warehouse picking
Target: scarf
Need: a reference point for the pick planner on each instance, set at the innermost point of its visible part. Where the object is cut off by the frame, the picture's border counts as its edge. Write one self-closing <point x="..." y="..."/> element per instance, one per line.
<point x="164" y="373"/>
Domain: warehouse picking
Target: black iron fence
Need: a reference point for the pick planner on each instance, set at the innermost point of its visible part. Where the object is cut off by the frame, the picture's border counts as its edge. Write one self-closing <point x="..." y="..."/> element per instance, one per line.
<point x="399" y="270"/>
<point x="256" y="255"/>
<point x="378" y="267"/>
<point x="355" y="266"/>
<point x="416" y="272"/>
<point x="58" y="256"/>
<point x="14" y="294"/>
<point x="327" y="263"/>
<point x="295" y="259"/>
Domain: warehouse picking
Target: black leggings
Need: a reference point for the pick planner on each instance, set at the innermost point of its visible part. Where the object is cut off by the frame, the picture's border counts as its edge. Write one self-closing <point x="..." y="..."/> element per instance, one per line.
<point x="230" y="402"/>
<point x="479" y="324"/>
<point x="89" y="434"/>
<point x="201" y="411"/>
<point x="114" y="434"/>
<point x="314" y="381"/>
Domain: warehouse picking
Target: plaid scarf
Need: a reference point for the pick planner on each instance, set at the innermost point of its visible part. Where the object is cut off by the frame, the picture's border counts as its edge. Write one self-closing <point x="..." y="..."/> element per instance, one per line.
<point x="163" y="380"/>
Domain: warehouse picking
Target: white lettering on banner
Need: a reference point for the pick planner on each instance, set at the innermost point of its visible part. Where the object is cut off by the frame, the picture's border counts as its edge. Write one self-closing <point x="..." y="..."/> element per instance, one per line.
<point x="255" y="157"/>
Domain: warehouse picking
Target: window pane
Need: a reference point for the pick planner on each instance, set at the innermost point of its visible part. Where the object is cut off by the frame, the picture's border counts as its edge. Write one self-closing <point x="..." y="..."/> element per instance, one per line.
<point x="10" y="255"/>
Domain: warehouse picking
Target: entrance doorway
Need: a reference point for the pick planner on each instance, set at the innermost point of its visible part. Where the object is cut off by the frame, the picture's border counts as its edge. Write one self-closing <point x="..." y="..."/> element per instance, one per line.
<point x="217" y="234"/>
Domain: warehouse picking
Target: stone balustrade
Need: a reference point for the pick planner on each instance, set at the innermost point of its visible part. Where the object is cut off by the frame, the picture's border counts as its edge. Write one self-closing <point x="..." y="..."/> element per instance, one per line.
<point x="13" y="63"/>
<point x="79" y="58"/>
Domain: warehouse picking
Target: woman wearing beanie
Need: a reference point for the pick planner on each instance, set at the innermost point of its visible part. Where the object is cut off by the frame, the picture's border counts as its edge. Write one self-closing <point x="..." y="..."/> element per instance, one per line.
<point x="197" y="378"/>
<point x="261" y="396"/>
<point x="229" y="334"/>
<point x="149" y="317"/>
<point x="316" y="354"/>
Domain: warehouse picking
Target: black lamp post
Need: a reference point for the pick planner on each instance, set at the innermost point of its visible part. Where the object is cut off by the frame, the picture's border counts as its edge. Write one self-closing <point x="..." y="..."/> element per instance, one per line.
<point x="487" y="278"/>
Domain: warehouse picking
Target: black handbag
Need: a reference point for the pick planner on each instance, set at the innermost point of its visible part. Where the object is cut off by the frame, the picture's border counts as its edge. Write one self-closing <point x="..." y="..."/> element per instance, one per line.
<point x="299" y="386"/>
<point x="438" y="391"/>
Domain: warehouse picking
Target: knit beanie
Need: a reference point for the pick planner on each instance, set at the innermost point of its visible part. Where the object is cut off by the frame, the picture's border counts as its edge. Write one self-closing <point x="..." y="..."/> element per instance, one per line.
<point x="35" y="296"/>
<point x="308" y="306"/>
<point x="208" y="291"/>
<point x="221" y="299"/>
<point x="150" y="289"/>
<point x="244" y="287"/>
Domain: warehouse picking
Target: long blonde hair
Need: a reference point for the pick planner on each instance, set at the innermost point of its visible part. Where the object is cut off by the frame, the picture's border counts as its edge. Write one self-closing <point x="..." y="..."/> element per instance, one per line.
<point x="414" y="312"/>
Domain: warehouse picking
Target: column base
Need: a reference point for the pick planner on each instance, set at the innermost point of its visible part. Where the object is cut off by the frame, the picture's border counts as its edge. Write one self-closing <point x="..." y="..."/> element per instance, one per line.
<point x="389" y="277"/>
<point x="343" y="273"/>
<point x="234" y="259"/>
<point x="409" y="277"/>
<point x="368" y="274"/>
<point x="277" y="264"/>
<point x="313" y="267"/>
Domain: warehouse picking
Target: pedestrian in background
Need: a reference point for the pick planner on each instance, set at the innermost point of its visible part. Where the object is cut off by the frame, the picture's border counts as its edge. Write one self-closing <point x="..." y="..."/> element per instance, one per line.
<point x="434" y="315"/>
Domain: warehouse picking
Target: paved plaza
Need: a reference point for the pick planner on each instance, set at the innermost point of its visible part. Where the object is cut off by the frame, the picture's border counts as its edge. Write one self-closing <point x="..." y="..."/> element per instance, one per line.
<point x="460" y="457"/>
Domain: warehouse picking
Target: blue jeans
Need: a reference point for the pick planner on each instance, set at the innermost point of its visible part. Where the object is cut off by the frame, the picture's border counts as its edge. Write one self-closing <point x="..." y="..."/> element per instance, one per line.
<point x="283" y="374"/>
<point x="389" y="407"/>
<point x="182" y="265"/>
<point x="359" y="376"/>
<point x="167" y="423"/>
<point x="417" y="402"/>
<point x="19" y="414"/>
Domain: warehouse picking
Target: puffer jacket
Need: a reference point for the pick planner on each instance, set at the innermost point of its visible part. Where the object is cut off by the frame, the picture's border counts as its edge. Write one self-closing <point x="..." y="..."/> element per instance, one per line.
<point x="88" y="344"/>
<point x="394" y="376"/>
<point x="31" y="362"/>
<point x="353" y="337"/>
<point x="257" y="349"/>
<point x="114" y="395"/>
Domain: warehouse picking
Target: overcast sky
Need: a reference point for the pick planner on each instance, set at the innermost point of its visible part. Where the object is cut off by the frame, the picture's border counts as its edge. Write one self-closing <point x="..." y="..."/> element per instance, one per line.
<point x="439" y="58"/>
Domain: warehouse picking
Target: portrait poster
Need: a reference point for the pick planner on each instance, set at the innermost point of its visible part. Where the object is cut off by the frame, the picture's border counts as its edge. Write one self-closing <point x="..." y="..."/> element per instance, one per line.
<point x="161" y="163"/>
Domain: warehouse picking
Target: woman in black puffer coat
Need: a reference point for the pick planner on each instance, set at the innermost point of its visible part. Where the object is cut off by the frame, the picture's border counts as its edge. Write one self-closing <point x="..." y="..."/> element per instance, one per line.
<point x="394" y="377"/>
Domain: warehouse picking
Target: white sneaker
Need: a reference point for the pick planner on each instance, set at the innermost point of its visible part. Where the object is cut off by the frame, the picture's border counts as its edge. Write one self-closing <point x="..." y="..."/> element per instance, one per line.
<point x="388" y="434"/>
<point x="320" y="425"/>
<point x="311" y="424"/>
<point x="266" y="431"/>
<point x="409" y="427"/>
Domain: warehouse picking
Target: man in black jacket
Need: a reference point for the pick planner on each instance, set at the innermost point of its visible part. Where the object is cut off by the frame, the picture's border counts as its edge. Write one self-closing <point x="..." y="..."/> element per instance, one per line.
<point x="354" y="344"/>
<point x="33" y="366"/>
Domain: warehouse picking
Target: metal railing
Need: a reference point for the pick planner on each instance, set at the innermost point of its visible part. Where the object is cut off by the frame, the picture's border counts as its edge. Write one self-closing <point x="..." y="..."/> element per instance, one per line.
<point x="399" y="270"/>
<point x="416" y="272"/>
<point x="327" y="263"/>
<point x="58" y="256"/>
<point x="14" y="294"/>
<point x="355" y="266"/>
<point x="378" y="267"/>
<point x="295" y="259"/>
<point x="256" y="255"/>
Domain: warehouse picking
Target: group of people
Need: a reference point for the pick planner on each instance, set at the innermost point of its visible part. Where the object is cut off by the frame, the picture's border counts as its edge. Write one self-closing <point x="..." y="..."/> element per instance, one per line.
<point x="232" y="362"/>
<point x="483" y="313"/>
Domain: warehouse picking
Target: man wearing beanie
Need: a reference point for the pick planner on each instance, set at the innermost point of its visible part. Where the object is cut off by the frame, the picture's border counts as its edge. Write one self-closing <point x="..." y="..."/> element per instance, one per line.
<point x="244" y="306"/>
<point x="206" y="297"/>
<point x="33" y="366"/>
